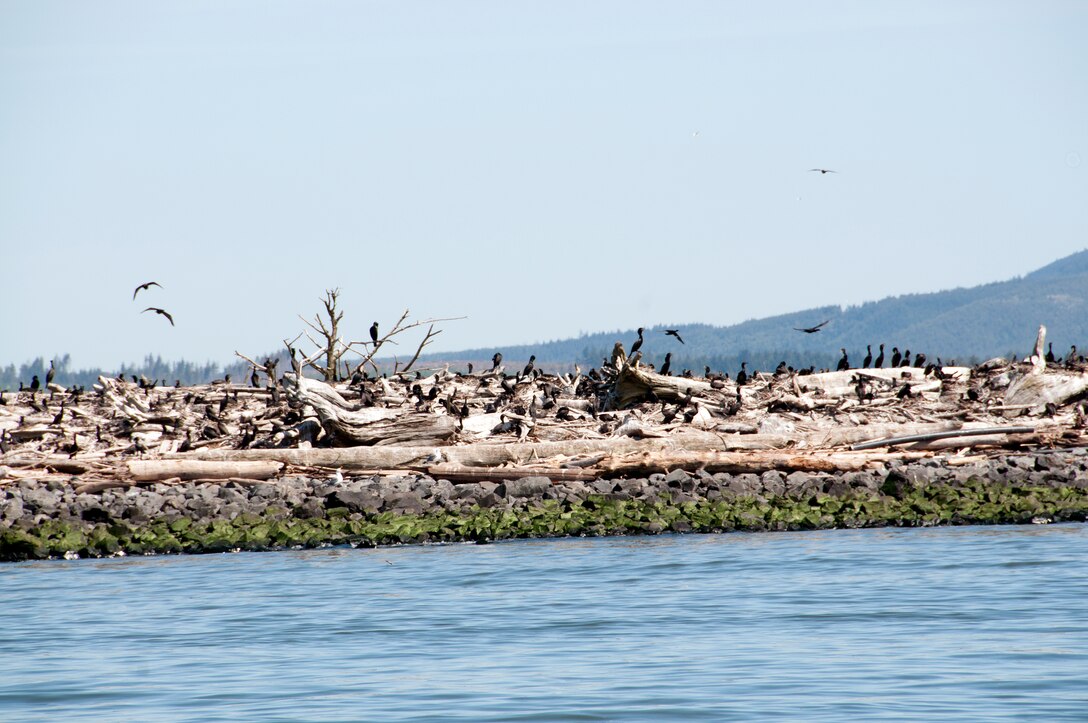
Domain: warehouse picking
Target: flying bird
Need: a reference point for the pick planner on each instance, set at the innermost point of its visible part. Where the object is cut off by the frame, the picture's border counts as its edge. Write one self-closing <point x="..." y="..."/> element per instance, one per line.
<point x="144" y="287"/>
<point x="674" y="332"/>
<point x="811" y="329"/>
<point x="160" y="311"/>
<point x="822" y="170"/>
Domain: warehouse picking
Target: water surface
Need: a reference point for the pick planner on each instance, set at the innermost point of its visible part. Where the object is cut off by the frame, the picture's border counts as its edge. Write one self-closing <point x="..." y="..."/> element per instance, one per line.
<point x="947" y="623"/>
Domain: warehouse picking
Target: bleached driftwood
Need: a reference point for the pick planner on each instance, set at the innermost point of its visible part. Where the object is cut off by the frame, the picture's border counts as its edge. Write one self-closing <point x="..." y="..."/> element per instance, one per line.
<point x="370" y="425"/>
<point x="634" y="383"/>
<point x="189" y="469"/>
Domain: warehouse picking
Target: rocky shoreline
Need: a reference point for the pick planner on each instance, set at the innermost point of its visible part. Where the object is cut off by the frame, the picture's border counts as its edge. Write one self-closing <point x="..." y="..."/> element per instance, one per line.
<point x="41" y="519"/>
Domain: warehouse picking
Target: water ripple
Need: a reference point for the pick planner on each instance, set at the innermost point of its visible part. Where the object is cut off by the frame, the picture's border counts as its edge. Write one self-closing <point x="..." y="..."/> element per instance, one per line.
<point x="945" y="623"/>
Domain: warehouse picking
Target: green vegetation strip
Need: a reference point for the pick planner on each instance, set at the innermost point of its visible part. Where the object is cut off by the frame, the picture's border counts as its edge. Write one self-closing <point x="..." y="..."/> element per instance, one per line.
<point x="974" y="502"/>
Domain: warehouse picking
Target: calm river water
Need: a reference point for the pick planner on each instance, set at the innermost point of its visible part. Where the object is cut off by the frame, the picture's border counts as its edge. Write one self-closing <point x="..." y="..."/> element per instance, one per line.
<point x="971" y="623"/>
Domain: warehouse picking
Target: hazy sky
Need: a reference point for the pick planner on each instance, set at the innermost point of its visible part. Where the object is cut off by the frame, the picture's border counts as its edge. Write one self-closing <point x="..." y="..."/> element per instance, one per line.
<point x="543" y="168"/>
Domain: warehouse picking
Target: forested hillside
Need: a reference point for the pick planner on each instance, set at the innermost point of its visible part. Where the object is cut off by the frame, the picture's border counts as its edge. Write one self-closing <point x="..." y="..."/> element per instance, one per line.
<point x="966" y="325"/>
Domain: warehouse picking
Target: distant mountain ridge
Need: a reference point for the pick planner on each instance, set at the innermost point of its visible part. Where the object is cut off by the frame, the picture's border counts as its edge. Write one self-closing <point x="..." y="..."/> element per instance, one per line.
<point x="976" y="323"/>
<point x="965" y="324"/>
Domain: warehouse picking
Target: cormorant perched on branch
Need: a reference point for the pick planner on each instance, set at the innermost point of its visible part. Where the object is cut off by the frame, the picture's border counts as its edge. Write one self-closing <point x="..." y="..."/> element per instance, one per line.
<point x="868" y="356"/>
<point x="638" y="342"/>
<point x="844" y="363"/>
<point x="742" y="375"/>
<point x="1050" y="352"/>
<point x="896" y="357"/>
<point x="811" y="329"/>
<point x="879" y="358"/>
<point x="674" y="332"/>
<point x="906" y="359"/>
<point x="529" y="367"/>
<point x="52" y="372"/>
<point x="496" y="360"/>
<point x="374" y="332"/>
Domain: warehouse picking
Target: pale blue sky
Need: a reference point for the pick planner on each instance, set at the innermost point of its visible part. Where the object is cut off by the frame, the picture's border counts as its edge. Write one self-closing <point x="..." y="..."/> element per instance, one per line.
<point x="543" y="168"/>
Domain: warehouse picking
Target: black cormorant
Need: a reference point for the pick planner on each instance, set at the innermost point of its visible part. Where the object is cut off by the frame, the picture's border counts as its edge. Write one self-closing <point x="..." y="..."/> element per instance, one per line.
<point x="676" y="333"/>
<point x="879" y="358"/>
<point x="896" y="357"/>
<point x="144" y="287"/>
<point x="844" y="363"/>
<point x="638" y="342"/>
<point x="157" y="310"/>
<point x="868" y="357"/>
<point x="811" y="329"/>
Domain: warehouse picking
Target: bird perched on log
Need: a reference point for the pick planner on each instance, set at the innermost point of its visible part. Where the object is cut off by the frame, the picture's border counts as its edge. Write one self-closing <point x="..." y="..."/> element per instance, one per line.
<point x="529" y="367"/>
<point x="638" y="342"/>
<point x="879" y="359"/>
<point x="35" y="384"/>
<point x="731" y="407"/>
<point x="665" y="367"/>
<point x="145" y="287"/>
<point x="844" y="363"/>
<point x="742" y="375"/>
<point x="374" y="332"/>
<point x="863" y="388"/>
<point x="812" y="329"/>
<point x="674" y="332"/>
<point x="920" y="360"/>
<point x="906" y="359"/>
<point x="1050" y="353"/>
<point x="868" y="357"/>
<point x="496" y="360"/>
<point x="896" y="357"/>
<point x="160" y="311"/>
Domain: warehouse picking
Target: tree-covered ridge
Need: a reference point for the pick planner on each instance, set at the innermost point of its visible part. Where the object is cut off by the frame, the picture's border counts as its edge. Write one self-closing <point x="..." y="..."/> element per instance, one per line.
<point x="966" y="325"/>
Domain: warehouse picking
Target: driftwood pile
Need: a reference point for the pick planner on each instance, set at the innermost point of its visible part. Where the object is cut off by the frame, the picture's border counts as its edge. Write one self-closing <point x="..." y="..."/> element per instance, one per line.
<point x="622" y="419"/>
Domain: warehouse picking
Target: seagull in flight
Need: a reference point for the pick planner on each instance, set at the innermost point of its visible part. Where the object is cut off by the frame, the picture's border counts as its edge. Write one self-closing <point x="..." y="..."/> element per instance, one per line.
<point x="822" y="170"/>
<point x="676" y="333"/>
<point x="144" y="287"/>
<point x="160" y="311"/>
<point x="811" y="329"/>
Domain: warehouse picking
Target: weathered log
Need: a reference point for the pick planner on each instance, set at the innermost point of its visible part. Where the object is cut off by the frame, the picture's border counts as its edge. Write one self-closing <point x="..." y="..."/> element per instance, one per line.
<point x="101" y="485"/>
<point x="648" y="463"/>
<point x="633" y="384"/>
<point x="188" y="469"/>
<point x="368" y="426"/>
<point x="486" y="455"/>
<point x="1032" y="392"/>
<point x="459" y="474"/>
<point x="940" y="435"/>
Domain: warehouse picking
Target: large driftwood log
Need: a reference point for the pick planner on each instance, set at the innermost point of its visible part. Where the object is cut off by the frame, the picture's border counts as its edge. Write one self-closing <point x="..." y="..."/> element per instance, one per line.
<point x="368" y="426"/>
<point x="633" y="383"/>
<point x="732" y="462"/>
<point x="189" y="469"/>
<point x="1032" y="392"/>
<point x="476" y="455"/>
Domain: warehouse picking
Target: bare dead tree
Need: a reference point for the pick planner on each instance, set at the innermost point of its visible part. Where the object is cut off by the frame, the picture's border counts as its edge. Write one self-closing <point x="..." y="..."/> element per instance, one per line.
<point x="330" y="348"/>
